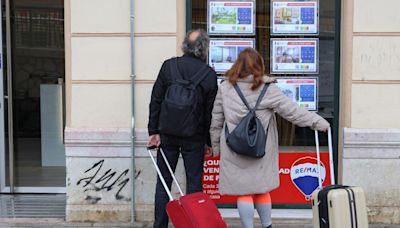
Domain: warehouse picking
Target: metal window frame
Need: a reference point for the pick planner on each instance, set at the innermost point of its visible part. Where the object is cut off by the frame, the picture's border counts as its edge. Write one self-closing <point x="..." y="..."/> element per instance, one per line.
<point x="336" y="105"/>
<point x="2" y="126"/>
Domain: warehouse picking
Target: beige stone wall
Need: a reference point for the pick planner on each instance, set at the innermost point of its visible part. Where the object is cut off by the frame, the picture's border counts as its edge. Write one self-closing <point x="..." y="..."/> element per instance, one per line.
<point x="98" y="60"/>
<point x="370" y="63"/>
<point x="370" y="76"/>
<point x="98" y="97"/>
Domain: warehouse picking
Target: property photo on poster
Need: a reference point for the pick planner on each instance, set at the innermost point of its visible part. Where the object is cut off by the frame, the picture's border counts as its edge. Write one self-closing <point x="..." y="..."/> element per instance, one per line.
<point x="303" y="91"/>
<point x="224" y="52"/>
<point x="231" y="17"/>
<point x="296" y="56"/>
<point x="293" y="17"/>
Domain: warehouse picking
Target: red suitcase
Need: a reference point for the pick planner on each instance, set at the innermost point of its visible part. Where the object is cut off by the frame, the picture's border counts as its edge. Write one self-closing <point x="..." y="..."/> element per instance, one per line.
<point x="195" y="210"/>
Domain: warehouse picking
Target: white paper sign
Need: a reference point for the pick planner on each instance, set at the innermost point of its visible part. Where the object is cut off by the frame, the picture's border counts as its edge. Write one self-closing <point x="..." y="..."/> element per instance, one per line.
<point x="303" y="91"/>
<point x="224" y="52"/>
<point x="231" y="17"/>
<point x="296" y="56"/>
<point x="291" y="17"/>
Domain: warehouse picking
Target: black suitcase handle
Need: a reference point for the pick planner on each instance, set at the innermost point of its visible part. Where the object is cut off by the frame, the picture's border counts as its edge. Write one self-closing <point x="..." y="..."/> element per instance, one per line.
<point x="331" y="165"/>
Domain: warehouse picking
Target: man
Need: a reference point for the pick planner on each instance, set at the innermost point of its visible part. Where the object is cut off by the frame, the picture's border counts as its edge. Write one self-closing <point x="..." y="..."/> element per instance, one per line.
<point x="190" y="67"/>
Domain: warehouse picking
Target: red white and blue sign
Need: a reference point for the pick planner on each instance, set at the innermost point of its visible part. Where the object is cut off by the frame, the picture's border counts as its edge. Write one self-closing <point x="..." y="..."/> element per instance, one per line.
<point x="304" y="175"/>
<point x="298" y="174"/>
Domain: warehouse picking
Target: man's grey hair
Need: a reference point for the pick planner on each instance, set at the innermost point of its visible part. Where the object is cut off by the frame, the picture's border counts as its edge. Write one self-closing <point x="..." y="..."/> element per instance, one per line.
<point x="197" y="48"/>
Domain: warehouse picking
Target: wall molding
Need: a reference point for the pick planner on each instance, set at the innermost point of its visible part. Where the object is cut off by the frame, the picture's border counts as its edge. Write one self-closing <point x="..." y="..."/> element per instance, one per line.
<point x="102" y="142"/>
<point x="159" y="34"/>
<point x="371" y="143"/>
<point x="127" y="34"/>
<point x="346" y="74"/>
<point x="377" y="34"/>
<point x="101" y="81"/>
<point x="138" y="81"/>
<point x="383" y="82"/>
<point x="68" y="61"/>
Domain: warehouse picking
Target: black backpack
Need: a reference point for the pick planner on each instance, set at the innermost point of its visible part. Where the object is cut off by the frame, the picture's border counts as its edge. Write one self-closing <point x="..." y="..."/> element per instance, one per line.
<point x="249" y="137"/>
<point x="181" y="109"/>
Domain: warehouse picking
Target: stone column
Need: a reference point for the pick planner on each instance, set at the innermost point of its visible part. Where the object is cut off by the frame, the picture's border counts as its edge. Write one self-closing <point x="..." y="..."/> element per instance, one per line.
<point x="99" y="184"/>
<point x="371" y="159"/>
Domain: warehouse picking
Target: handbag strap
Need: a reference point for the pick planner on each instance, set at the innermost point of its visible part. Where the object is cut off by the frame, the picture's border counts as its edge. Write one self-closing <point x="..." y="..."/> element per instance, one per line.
<point x="263" y="91"/>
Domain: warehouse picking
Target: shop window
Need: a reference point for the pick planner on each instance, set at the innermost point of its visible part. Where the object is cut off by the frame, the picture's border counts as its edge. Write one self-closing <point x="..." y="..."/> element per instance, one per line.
<point x="292" y="138"/>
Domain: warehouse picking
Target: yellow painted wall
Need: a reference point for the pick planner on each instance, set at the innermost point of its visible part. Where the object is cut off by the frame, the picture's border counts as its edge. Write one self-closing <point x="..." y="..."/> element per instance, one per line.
<point x="375" y="106"/>
<point x="98" y="57"/>
<point x="371" y="64"/>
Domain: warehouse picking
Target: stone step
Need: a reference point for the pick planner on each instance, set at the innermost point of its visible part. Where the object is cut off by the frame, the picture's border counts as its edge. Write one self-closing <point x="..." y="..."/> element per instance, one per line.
<point x="281" y="218"/>
<point x="232" y="223"/>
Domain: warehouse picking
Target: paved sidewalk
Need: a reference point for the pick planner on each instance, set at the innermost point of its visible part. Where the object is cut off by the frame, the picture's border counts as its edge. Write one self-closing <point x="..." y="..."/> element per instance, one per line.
<point x="59" y="223"/>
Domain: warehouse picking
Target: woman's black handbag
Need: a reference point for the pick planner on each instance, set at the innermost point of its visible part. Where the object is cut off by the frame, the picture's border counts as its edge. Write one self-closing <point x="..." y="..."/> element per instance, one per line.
<point x="249" y="137"/>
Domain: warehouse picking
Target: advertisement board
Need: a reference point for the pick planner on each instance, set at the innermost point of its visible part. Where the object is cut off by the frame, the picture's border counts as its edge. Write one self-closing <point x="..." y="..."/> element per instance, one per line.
<point x="294" y="17"/>
<point x="224" y="52"/>
<point x="298" y="174"/>
<point x="211" y="180"/>
<point x="303" y="91"/>
<point x="231" y="17"/>
<point x="294" y="56"/>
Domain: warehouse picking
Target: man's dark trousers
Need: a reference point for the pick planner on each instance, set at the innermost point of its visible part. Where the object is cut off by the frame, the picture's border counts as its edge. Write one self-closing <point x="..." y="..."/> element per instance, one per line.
<point x="193" y="158"/>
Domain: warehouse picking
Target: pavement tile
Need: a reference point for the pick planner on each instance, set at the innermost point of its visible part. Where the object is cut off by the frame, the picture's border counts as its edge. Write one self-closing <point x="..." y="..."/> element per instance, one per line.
<point x="148" y="225"/>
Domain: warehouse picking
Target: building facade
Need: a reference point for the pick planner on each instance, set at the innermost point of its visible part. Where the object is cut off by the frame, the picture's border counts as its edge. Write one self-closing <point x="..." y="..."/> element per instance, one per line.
<point x="99" y="78"/>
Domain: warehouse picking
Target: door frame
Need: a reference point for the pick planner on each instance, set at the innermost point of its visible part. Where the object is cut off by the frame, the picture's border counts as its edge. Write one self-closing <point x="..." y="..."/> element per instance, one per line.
<point x="11" y="188"/>
<point x="2" y="110"/>
<point x="56" y="190"/>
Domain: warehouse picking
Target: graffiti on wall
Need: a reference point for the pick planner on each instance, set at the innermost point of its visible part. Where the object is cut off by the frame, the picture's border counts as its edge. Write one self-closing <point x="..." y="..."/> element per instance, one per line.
<point x="99" y="179"/>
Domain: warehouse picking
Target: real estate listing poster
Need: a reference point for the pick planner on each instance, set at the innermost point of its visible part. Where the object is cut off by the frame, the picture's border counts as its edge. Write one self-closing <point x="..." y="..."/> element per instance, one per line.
<point x="303" y="91"/>
<point x="224" y="52"/>
<point x="293" y="17"/>
<point x="231" y="17"/>
<point x="294" y="56"/>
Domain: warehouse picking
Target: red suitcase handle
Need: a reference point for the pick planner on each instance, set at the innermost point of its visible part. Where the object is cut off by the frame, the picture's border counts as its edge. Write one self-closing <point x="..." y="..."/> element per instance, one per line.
<point x="150" y="149"/>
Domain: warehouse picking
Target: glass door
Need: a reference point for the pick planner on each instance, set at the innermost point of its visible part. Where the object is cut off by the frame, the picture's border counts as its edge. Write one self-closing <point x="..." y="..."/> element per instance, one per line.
<point x="35" y="92"/>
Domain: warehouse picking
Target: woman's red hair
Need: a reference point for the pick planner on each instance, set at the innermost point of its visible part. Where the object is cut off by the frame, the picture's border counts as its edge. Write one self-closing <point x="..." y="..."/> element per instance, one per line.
<point x="249" y="62"/>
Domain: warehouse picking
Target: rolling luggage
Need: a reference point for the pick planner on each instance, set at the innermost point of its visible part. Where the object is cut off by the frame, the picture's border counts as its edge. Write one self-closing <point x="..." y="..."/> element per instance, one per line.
<point x="195" y="210"/>
<point x="337" y="206"/>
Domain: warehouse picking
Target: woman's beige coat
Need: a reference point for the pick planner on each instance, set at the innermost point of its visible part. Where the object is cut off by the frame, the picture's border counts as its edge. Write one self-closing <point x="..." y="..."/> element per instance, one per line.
<point x="240" y="175"/>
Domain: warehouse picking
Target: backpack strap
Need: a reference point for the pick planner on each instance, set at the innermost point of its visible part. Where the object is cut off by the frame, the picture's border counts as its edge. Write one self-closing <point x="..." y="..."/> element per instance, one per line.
<point x="197" y="78"/>
<point x="200" y="76"/>
<point x="239" y="92"/>
<point x="174" y="69"/>
<point x="262" y="94"/>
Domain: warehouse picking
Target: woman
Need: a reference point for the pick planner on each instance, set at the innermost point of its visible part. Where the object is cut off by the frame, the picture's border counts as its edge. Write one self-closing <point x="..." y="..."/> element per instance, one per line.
<point x="252" y="179"/>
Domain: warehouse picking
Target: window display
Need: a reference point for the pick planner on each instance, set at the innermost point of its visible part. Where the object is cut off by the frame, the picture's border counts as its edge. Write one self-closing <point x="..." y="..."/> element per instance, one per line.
<point x="291" y="17"/>
<point x="303" y="91"/>
<point x="231" y="17"/>
<point x="224" y="52"/>
<point x="296" y="56"/>
<point x="304" y="60"/>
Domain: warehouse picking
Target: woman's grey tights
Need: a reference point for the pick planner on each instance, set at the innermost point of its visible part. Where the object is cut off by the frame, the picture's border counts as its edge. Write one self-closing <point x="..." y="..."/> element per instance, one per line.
<point x="246" y="212"/>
